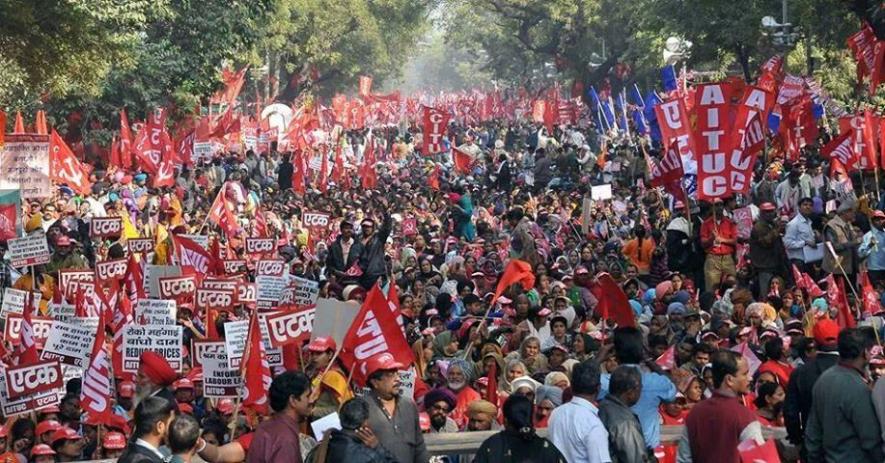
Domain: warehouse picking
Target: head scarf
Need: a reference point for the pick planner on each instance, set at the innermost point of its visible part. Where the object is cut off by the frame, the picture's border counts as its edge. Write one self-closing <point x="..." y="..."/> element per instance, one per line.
<point x="440" y="342"/>
<point x="466" y="367"/>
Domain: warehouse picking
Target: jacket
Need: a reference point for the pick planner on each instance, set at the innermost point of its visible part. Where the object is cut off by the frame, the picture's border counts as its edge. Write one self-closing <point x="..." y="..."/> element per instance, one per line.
<point x="766" y="247"/>
<point x="135" y="453"/>
<point x="400" y="434"/>
<point x="371" y="258"/>
<point x="842" y="236"/>
<point x="843" y="425"/>
<point x="335" y="260"/>
<point x="625" y="441"/>
<point x="797" y="403"/>
<point x="346" y="447"/>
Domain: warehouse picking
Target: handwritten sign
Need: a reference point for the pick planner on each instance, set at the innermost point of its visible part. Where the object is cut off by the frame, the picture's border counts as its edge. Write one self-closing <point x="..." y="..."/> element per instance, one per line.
<point x="155" y="312"/>
<point x="30" y="250"/>
<point x="70" y="343"/>
<point x="24" y="165"/>
<point x="164" y="340"/>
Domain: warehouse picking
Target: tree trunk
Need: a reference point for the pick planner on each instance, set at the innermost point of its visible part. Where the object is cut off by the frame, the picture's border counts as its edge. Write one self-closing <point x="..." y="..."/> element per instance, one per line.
<point x="593" y="77"/>
<point x="744" y="61"/>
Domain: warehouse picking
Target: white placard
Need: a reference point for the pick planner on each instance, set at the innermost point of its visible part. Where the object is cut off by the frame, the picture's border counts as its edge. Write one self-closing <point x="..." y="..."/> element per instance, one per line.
<point x="164" y="340"/>
<point x="63" y="312"/>
<point x="270" y="288"/>
<point x="202" y="240"/>
<point x="326" y="423"/>
<point x="304" y="291"/>
<point x="601" y="192"/>
<point x="30" y="250"/>
<point x="70" y="343"/>
<point x="235" y="334"/>
<point x="152" y="275"/>
<point x="14" y="301"/>
<point x="24" y="165"/>
<point x="220" y="381"/>
<point x="155" y="312"/>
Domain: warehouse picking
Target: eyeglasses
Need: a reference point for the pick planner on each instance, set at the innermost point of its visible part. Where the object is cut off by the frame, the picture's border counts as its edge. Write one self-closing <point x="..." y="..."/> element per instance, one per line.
<point x="441" y="408"/>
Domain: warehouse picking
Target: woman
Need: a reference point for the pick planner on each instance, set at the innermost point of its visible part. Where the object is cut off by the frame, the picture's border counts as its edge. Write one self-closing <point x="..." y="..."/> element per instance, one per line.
<point x="584" y="347"/>
<point x="429" y="275"/>
<point x="769" y="404"/>
<point x="423" y="351"/>
<point x="530" y="355"/>
<point x="514" y="369"/>
<point x="445" y="346"/>
<point x="459" y="376"/>
<point x="518" y="443"/>
<point x="463" y="214"/>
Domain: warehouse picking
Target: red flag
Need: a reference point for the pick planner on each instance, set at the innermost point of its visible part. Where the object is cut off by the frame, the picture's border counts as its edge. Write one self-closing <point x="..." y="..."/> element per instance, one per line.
<point x="2" y="127"/>
<point x="19" y="123"/>
<point x="374" y="330"/>
<point x="134" y="279"/>
<point x="233" y="84"/>
<point x="668" y="169"/>
<point x="28" y="344"/>
<point x="365" y="87"/>
<point x="667" y="360"/>
<point x="165" y="176"/>
<point x="841" y="149"/>
<point x="221" y="215"/>
<point x="95" y="397"/>
<point x="153" y="144"/>
<point x="368" y="175"/>
<point x="613" y="303"/>
<point x="492" y="389"/>
<point x="256" y="370"/>
<point x="338" y="172"/>
<point x="797" y="277"/>
<point x="189" y="253"/>
<point x="298" y="174"/>
<point x="125" y="141"/>
<point x="433" y="179"/>
<point x="871" y="304"/>
<point x="517" y="271"/>
<point x="462" y="160"/>
<point x="260" y="228"/>
<point x="323" y="180"/>
<point x="435" y="124"/>
<point x="837" y="298"/>
<point x="217" y="264"/>
<point x="65" y="168"/>
<point x="41" y="123"/>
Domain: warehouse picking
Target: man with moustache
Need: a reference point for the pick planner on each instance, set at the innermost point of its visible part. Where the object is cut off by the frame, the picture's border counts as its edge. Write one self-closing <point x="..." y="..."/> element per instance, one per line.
<point x="393" y="419"/>
<point x="154" y="378"/>
<point x="438" y="404"/>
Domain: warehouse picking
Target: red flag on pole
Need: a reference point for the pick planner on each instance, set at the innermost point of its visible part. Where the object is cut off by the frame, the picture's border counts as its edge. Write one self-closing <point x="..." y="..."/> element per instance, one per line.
<point x="28" y="355"/>
<point x="19" y="123"/>
<point x="871" y="304"/>
<point x="517" y="271"/>
<point x="125" y="141"/>
<point x="65" y="168"/>
<point x="837" y="298"/>
<point x="841" y="149"/>
<point x="189" y="253"/>
<point x="256" y="370"/>
<point x="435" y="124"/>
<point x="95" y="397"/>
<point x="613" y="303"/>
<point x="492" y="388"/>
<point x="462" y="160"/>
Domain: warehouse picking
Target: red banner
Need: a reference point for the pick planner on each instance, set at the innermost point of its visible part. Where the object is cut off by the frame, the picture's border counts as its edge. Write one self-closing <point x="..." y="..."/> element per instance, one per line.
<point x="435" y="123"/>
<point x="668" y="169"/>
<point x="65" y="168"/>
<point x="862" y="139"/>
<point x="290" y="327"/>
<point x="31" y="379"/>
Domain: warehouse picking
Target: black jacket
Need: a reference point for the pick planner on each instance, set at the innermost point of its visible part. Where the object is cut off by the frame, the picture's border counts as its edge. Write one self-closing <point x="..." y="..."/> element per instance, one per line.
<point x="335" y="260"/>
<point x="797" y="404"/>
<point x="372" y="256"/>
<point x="135" y="453"/>
<point x="345" y="447"/>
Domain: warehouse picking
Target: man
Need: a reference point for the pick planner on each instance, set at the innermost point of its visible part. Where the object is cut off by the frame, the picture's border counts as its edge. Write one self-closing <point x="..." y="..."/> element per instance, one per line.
<point x="439" y="403"/>
<point x="343" y="253"/>
<point x="44" y="431"/>
<point x="766" y="247"/>
<point x="42" y="453"/>
<point x="797" y="404"/>
<point x="125" y="398"/>
<point x="152" y="418"/>
<point x="679" y="241"/>
<point x="625" y="441"/>
<point x="67" y="444"/>
<point x="839" y="233"/>
<point x="63" y="257"/>
<point x="843" y="425"/>
<point x="154" y="378"/>
<point x="355" y="442"/>
<point x="700" y="357"/>
<point x="276" y="440"/>
<point x="184" y="391"/>
<point x="522" y="242"/>
<point x="715" y="426"/>
<point x="481" y="416"/>
<point x="329" y="385"/>
<point x="393" y="419"/>
<point x="575" y="428"/>
<point x="789" y="192"/>
<point x="800" y="235"/>
<point x="718" y="238"/>
<point x="183" y="436"/>
<point x="872" y="251"/>
<point x="371" y="260"/>
<point x="656" y="388"/>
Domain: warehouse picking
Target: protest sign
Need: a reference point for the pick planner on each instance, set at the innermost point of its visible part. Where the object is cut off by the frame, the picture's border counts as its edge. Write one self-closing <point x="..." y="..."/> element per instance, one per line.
<point x="105" y="227"/>
<point x="179" y="288"/>
<point x="14" y="301"/>
<point x="287" y="327"/>
<point x="271" y="267"/>
<point x="142" y="245"/>
<point x="601" y="192"/>
<point x="62" y="312"/>
<point x="257" y="246"/>
<point x="24" y="165"/>
<point x="32" y="379"/>
<point x="30" y="250"/>
<point x="219" y="381"/>
<point x="214" y="299"/>
<point x="155" y="312"/>
<point x="333" y="318"/>
<point x="234" y="266"/>
<point x="29" y="403"/>
<point x="70" y="343"/>
<point x="67" y="276"/>
<point x="214" y="350"/>
<point x="223" y="283"/>
<point x="111" y="270"/>
<point x="162" y="339"/>
<point x="40" y="325"/>
<point x="270" y="288"/>
<point x="235" y="334"/>
<point x="247" y="293"/>
<point x="10" y="214"/>
<point x="743" y="218"/>
<point x="152" y="275"/>
<point x="202" y="240"/>
<point x="317" y="223"/>
<point x="304" y="291"/>
<point x="407" y="377"/>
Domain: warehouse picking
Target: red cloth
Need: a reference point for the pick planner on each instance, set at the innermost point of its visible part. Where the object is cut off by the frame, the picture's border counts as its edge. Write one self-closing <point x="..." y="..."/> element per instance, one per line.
<point x="157" y="369"/>
<point x="462" y="402"/>
<point x="714" y="427"/>
<point x="780" y="370"/>
<point x="727" y="230"/>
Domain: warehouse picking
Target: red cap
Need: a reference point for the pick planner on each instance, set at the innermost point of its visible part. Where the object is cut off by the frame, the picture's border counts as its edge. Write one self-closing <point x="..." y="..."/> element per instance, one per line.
<point x="64" y="433"/>
<point x="47" y="426"/>
<point x="225" y="406"/>
<point x="196" y="374"/>
<point x="126" y="389"/>
<point x="118" y="422"/>
<point x="157" y="369"/>
<point x="878" y="214"/>
<point x="185" y="408"/>
<point x="826" y="332"/>
<point x="183" y="383"/>
<point x="114" y="441"/>
<point x="877" y="360"/>
<point x="63" y="240"/>
<point x="322" y="344"/>
<point x="768" y="207"/>
<point x="40" y="450"/>
<point x="378" y="362"/>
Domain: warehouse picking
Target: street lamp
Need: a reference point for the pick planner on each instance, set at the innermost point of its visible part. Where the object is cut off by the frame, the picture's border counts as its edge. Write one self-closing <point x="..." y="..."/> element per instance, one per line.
<point x="675" y="50"/>
<point x="782" y="34"/>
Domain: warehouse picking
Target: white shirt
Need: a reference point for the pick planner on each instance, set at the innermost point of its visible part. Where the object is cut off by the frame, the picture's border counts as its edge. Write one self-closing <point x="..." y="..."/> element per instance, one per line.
<point x="151" y="448"/>
<point x="797" y="234"/>
<point x="576" y="430"/>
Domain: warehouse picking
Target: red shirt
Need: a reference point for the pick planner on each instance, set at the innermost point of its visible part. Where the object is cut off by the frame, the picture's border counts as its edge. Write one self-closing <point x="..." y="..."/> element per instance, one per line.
<point x="714" y="427"/>
<point x="726" y="230"/>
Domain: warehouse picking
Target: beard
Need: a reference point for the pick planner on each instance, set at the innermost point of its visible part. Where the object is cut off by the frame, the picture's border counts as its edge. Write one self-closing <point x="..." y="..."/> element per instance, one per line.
<point x="438" y="421"/>
<point x="457" y="385"/>
<point x="141" y="393"/>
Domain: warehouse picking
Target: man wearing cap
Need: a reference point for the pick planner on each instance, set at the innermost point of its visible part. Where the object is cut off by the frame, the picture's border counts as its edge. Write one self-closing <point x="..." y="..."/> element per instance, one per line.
<point x="45" y="429"/>
<point x="184" y="391"/>
<point x="797" y="403"/>
<point x="67" y="444"/>
<point x="872" y="251"/>
<point x="125" y="398"/>
<point x="839" y="234"/>
<point x="42" y="453"/>
<point x="439" y="403"/>
<point x="766" y="247"/>
<point x="718" y="238"/>
<point x="329" y="383"/>
<point x="154" y="378"/>
<point x="64" y="258"/>
<point x="393" y="419"/>
<point x="112" y="445"/>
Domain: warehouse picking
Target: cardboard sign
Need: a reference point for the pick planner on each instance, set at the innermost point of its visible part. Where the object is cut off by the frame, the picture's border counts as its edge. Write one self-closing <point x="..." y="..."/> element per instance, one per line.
<point x="407" y="377"/>
<point x="152" y="275"/>
<point x="65" y="277"/>
<point x="104" y="227"/>
<point x="270" y="288"/>
<point x="24" y="165"/>
<point x="14" y="301"/>
<point x="601" y="192"/>
<point x="256" y="246"/>
<point x="164" y="340"/>
<point x="40" y="326"/>
<point x="743" y="218"/>
<point x="234" y="266"/>
<point x="214" y="299"/>
<point x="30" y="250"/>
<point x="235" y="334"/>
<point x="247" y="293"/>
<point x="178" y="288"/>
<point x="155" y="312"/>
<point x="317" y="223"/>
<point x="271" y="267"/>
<point x="142" y="245"/>
<point x="220" y="381"/>
<point x="32" y="379"/>
<point x="333" y="318"/>
<point x="288" y="327"/>
<point x="29" y="403"/>
<point x="111" y="270"/>
<point x="304" y="291"/>
<point x="214" y="350"/>
<point x="69" y="343"/>
<point x="63" y="312"/>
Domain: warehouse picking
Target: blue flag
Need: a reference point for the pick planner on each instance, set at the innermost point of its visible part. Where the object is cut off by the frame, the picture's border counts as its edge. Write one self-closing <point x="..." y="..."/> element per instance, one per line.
<point x="668" y="78"/>
<point x="648" y="110"/>
<point x="774" y="122"/>
<point x="622" y="112"/>
<point x="609" y="114"/>
<point x="635" y="96"/>
<point x="596" y="109"/>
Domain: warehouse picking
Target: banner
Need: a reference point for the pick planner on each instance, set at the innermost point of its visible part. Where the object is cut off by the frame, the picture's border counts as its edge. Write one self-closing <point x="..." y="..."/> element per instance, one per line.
<point x="290" y="327"/>
<point x="672" y="118"/>
<point x="270" y="267"/>
<point x="70" y="343"/>
<point x="219" y="381"/>
<point x="24" y="165"/>
<point x="668" y="169"/>
<point x="104" y="227"/>
<point x="155" y="312"/>
<point x="142" y="245"/>
<point x="270" y="288"/>
<point x="27" y="251"/>
<point x="32" y="379"/>
<point x="256" y="246"/>
<point x="179" y="288"/>
<point x="317" y="223"/>
<point x="110" y="270"/>
<point x="29" y="403"/>
<point x="152" y="275"/>
<point x="247" y="293"/>
<point x="234" y="266"/>
<point x="213" y="350"/>
<point x="40" y="326"/>
<point x="164" y="340"/>
<point x="435" y="125"/>
<point x="214" y="299"/>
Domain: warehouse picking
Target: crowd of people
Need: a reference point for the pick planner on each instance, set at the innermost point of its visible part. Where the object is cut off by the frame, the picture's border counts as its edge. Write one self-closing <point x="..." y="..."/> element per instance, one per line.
<point x="736" y="334"/>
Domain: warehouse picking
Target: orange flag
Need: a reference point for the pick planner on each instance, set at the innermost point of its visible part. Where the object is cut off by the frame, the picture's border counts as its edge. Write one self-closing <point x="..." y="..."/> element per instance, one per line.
<point x="461" y="160"/>
<point x="19" y="123"/>
<point x="517" y="271"/>
<point x="41" y="123"/>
